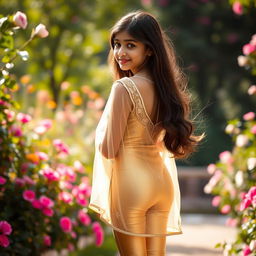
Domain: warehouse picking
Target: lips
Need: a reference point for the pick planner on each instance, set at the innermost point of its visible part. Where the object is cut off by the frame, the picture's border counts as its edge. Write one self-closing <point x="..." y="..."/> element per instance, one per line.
<point x="123" y="61"/>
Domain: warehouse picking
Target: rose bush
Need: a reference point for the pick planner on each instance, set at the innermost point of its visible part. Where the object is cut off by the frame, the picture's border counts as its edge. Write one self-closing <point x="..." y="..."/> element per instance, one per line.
<point x="44" y="191"/>
<point x="234" y="175"/>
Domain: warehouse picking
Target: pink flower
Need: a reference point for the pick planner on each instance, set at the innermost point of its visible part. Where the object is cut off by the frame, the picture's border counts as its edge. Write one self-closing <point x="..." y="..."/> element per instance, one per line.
<point x="225" y="209"/>
<point x="252" y="90"/>
<point x="237" y="8"/>
<point x="41" y="31"/>
<point x="245" y="204"/>
<point x="28" y="180"/>
<point x="246" y="250"/>
<point x="16" y="131"/>
<point x="36" y="204"/>
<point x="20" y="20"/>
<point x="216" y="201"/>
<point x="24" y="167"/>
<point x="29" y="195"/>
<point x="42" y="156"/>
<point x="46" y="202"/>
<point x="71" y="247"/>
<point x="251" y="193"/>
<point x="249" y="116"/>
<point x="99" y="234"/>
<point x="253" y="40"/>
<point x="242" y="140"/>
<point x="61" y="146"/>
<point x="231" y="222"/>
<point x="23" y="118"/>
<point x="4" y="241"/>
<point x="10" y="114"/>
<point x="79" y="167"/>
<point x="5" y="228"/>
<point x="47" y="123"/>
<point x="2" y="180"/>
<point x="20" y="182"/>
<point x="253" y="129"/>
<point x="47" y="240"/>
<point x="80" y="199"/>
<point x="50" y="174"/>
<point x="66" y="224"/>
<point x="226" y="157"/>
<point x="48" y="212"/>
<point x="84" y="218"/>
<point x="211" y="168"/>
<point x="248" y="49"/>
<point x="66" y="197"/>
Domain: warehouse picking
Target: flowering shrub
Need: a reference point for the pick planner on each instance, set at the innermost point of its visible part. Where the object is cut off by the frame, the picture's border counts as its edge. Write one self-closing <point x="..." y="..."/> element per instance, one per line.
<point x="234" y="175"/>
<point x="43" y="192"/>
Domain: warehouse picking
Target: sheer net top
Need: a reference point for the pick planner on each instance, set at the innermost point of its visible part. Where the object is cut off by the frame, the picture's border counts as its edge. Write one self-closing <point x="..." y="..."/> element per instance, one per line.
<point x="129" y="136"/>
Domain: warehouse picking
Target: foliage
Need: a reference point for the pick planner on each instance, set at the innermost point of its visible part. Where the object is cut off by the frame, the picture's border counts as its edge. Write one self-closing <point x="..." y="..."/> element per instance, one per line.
<point x="234" y="175"/>
<point x="43" y="192"/>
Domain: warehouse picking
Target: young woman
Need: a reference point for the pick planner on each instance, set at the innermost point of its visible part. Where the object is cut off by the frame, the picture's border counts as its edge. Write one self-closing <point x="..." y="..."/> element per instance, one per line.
<point x="144" y="126"/>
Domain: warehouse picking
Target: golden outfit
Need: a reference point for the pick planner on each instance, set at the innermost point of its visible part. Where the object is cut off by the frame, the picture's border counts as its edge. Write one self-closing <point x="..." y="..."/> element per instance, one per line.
<point x="135" y="186"/>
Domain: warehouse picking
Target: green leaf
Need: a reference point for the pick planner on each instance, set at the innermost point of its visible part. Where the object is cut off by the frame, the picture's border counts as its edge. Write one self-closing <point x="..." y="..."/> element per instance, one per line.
<point x="24" y="55"/>
<point x="6" y="41"/>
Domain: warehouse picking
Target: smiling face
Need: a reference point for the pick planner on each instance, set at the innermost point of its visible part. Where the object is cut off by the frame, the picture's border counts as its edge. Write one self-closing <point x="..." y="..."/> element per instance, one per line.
<point x="129" y="53"/>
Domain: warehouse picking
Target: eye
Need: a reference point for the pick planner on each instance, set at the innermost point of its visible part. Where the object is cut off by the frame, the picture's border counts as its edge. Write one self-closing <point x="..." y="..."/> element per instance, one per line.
<point x="130" y="45"/>
<point x="116" y="44"/>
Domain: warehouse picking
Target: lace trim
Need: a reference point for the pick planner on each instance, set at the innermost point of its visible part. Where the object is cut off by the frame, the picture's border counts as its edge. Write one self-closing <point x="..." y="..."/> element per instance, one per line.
<point x="139" y="106"/>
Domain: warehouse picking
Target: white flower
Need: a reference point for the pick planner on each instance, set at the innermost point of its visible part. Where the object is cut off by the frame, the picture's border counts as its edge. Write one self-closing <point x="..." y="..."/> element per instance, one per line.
<point x="239" y="178"/>
<point x="41" y="31"/>
<point x="20" y="19"/>
<point x="242" y="60"/>
<point x="251" y="163"/>
<point x="241" y="140"/>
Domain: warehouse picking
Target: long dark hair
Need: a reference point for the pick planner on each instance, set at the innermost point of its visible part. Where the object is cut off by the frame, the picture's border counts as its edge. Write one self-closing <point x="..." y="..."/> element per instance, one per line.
<point x="169" y="80"/>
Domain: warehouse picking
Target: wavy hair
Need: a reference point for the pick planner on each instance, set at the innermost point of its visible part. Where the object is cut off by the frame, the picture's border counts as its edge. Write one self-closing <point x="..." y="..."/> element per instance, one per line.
<point x="169" y="80"/>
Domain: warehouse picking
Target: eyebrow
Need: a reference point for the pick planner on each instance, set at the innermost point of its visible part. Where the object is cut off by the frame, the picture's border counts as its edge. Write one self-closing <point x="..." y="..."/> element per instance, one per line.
<point x="126" y="40"/>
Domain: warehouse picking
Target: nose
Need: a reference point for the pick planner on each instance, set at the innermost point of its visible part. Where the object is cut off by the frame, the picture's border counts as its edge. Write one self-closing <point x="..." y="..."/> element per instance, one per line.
<point x="121" y="51"/>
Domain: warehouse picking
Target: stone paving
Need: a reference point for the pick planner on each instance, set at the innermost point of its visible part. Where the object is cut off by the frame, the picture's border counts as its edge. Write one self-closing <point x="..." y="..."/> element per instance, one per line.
<point x="200" y="234"/>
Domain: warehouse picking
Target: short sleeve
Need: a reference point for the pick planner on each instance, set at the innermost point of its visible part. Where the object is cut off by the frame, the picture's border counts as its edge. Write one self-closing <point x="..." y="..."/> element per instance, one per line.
<point x="118" y="108"/>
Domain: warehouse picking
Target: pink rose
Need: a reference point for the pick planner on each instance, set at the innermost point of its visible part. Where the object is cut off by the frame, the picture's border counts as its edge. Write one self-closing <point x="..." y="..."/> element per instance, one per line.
<point x="28" y="180"/>
<point x="80" y="199"/>
<point x="216" y="201"/>
<point x="41" y="31"/>
<point x="225" y="209"/>
<point x="84" y="218"/>
<point x="20" y="20"/>
<point x="50" y="174"/>
<point x="246" y="250"/>
<point x="253" y="129"/>
<point x="47" y="123"/>
<point x="47" y="240"/>
<point x="60" y="146"/>
<point x="99" y="234"/>
<point x="2" y="180"/>
<point x="66" y="224"/>
<point x="10" y="114"/>
<point x="251" y="193"/>
<point x="5" y="228"/>
<point x="36" y="204"/>
<point x="231" y="222"/>
<point x="48" y="212"/>
<point x="20" y="182"/>
<point x="211" y="168"/>
<point x="252" y="90"/>
<point x="79" y="167"/>
<point x="16" y="131"/>
<point x="253" y="40"/>
<point x="245" y="204"/>
<point x="29" y="195"/>
<point x="66" y="197"/>
<point x="248" y="49"/>
<point x="249" y="116"/>
<point x="42" y="156"/>
<point x="46" y="202"/>
<point x="237" y="8"/>
<point x="23" y="118"/>
<point x="226" y="157"/>
<point x="4" y="241"/>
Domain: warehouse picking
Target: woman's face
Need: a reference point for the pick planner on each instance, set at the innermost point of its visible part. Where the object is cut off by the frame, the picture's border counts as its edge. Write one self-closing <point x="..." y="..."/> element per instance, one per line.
<point x="129" y="53"/>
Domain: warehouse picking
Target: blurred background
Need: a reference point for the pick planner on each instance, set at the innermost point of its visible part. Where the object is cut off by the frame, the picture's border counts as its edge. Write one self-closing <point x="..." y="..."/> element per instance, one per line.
<point x="69" y="80"/>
